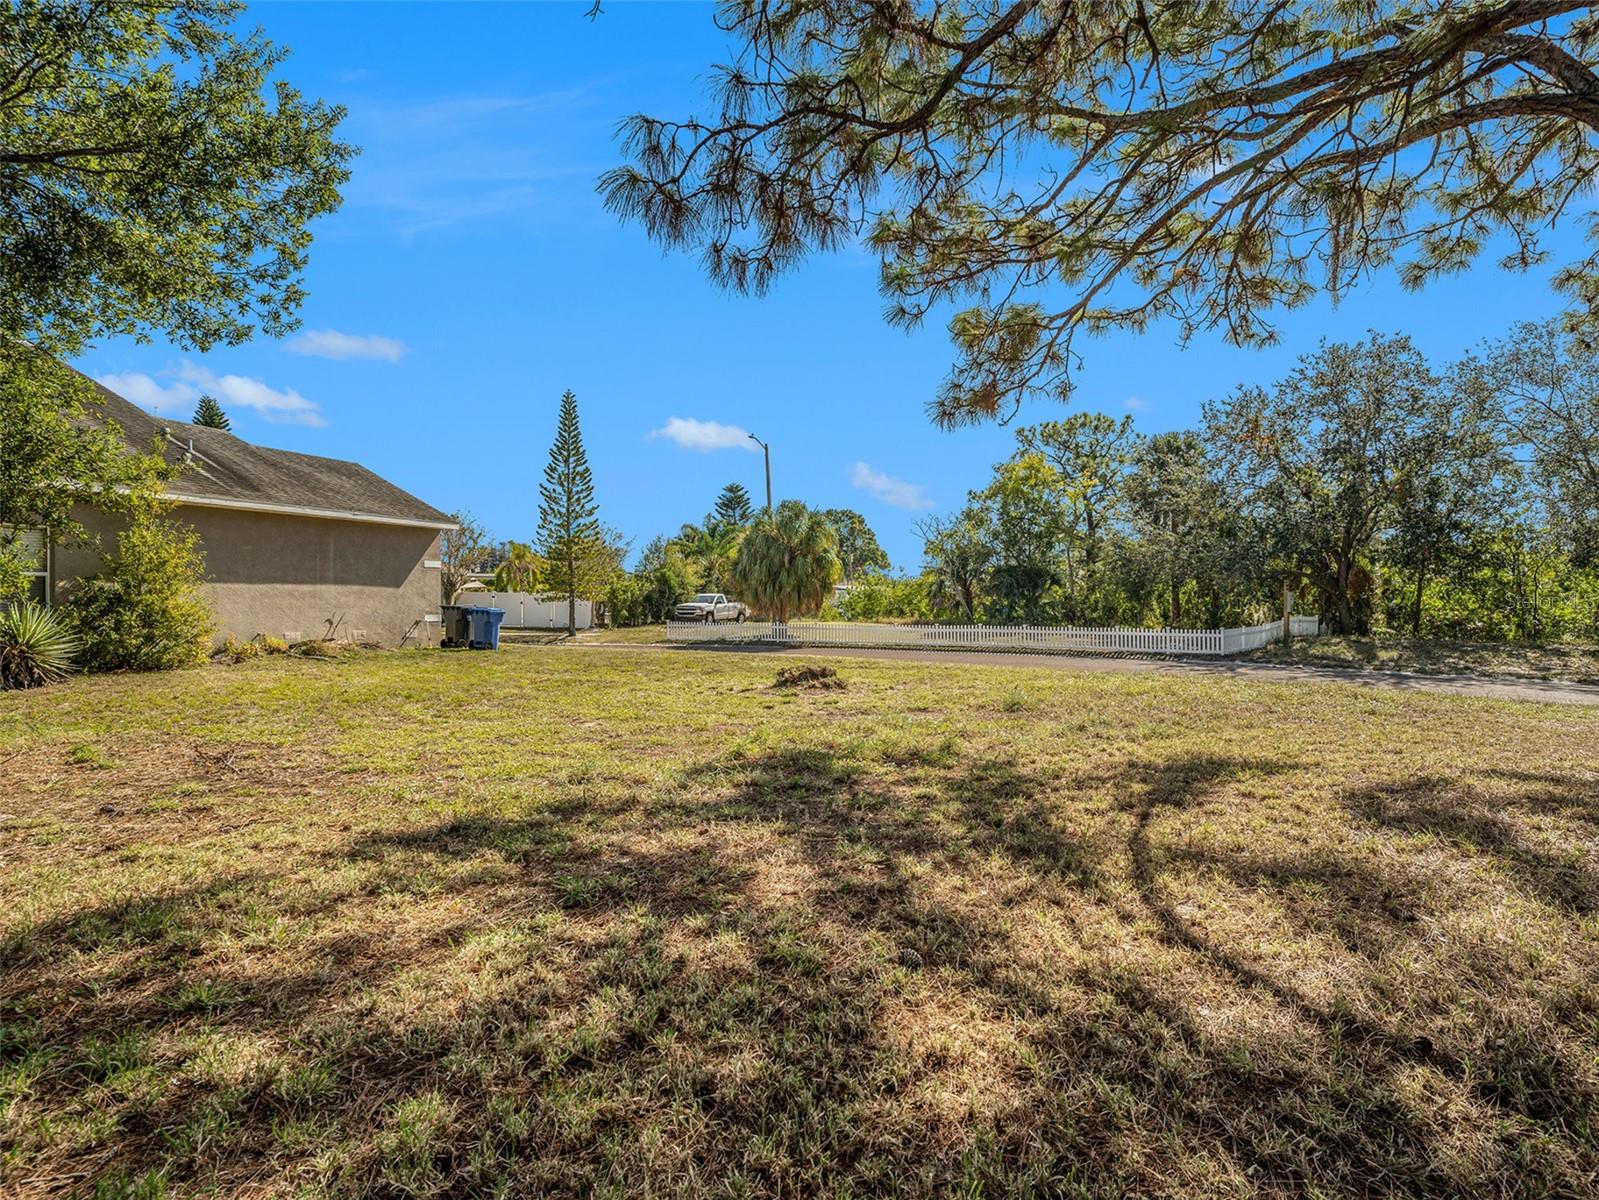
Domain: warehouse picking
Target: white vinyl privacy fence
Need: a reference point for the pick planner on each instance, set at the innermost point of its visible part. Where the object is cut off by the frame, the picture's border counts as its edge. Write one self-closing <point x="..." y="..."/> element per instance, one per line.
<point x="525" y="611"/>
<point x="1061" y="639"/>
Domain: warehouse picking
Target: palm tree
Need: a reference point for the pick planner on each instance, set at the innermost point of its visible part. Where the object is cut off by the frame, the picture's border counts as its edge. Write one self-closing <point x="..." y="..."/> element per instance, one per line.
<point x="787" y="562"/>
<point x="520" y="570"/>
<point x="711" y="548"/>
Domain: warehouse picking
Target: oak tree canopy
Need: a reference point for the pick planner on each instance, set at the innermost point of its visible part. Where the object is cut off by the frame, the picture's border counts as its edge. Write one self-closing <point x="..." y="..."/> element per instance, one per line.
<point x="155" y="173"/>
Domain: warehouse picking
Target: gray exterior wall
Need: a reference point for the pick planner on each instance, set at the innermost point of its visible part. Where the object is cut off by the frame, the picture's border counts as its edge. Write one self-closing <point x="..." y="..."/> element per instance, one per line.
<point x="307" y="576"/>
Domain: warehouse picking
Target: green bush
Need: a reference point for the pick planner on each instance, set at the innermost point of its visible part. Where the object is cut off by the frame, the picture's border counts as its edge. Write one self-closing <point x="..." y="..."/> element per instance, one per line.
<point x="36" y="646"/>
<point x="886" y="597"/>
<point x="145" y="611"/>
<point x="233" y="650"/>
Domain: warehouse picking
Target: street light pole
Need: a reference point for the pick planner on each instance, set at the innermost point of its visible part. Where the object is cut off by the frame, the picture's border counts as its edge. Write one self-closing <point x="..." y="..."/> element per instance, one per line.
<point x="767" y="452"/>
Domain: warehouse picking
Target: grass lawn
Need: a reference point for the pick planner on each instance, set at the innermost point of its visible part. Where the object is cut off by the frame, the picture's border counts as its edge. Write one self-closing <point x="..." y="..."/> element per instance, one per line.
<point x="1573" y="663"/>
<point x="639" y="924"/>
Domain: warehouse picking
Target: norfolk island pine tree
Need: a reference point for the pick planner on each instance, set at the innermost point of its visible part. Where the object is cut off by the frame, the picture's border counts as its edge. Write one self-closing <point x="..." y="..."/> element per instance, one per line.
<point x="568" y="517"/>
<point x="209" y="413"/>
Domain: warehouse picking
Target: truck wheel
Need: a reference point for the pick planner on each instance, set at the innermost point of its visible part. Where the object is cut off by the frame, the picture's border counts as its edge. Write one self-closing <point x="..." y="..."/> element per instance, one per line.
<point x="740" y="617"/>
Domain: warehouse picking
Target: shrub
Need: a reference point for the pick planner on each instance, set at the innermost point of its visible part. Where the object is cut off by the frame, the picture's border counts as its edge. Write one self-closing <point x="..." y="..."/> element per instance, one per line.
<point x="273" y="645"/>
<point x="885" y="597"/>
<point x="36" y="646"/>
<point x="145" y="612"/>
<point x="233" y="650"/>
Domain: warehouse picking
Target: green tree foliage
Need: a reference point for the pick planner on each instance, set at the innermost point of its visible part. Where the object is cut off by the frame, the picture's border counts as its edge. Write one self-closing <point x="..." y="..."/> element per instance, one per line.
<point x="58" y="452"/>
<point x="1090" y="453"/>
<point x="1329" y="453"/>
<point x="733" y="506"/>
<point x="858" y="551"/>
<point x="1389" y="495"/>
<point x="663" y="579"/>
<point x="1025" y="515"/>
<point x="958" y="554"/>
<point x="209" y="413"/>
<point x="154" y="173"/>
<point x="145" y="611"/>
<point x="878" y="597"/>
<point x="463" y="551"/>
<point x="710" y="549"/>
<point x="570" y="538"/>
<point x="788" y="562"/>
<point x="669" y="579"/>
<point x="1207" y="164"/>
<point x="1178" y="514"/>
<point x="520" y="569"/>
<point x="1548" y="383"/>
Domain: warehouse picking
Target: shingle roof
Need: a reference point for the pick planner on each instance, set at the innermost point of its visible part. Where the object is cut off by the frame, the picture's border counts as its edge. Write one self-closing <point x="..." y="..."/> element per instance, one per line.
<point x="226" y="469"/>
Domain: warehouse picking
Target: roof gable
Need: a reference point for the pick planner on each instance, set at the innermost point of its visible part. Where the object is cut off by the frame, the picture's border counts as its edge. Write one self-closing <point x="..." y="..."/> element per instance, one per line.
<point x="220" y="468"/>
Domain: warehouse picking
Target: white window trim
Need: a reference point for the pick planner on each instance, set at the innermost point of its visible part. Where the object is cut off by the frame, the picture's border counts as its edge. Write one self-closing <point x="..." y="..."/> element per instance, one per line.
<point x="42" y="573"/>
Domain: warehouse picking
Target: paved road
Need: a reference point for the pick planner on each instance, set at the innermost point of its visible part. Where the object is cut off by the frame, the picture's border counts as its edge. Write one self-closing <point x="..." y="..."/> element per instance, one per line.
<point x="1460" y="685"/>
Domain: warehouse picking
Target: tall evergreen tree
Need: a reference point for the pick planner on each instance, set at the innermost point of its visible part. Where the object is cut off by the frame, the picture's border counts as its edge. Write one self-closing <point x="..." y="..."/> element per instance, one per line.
<point x="733" y="506"/>
<point x="209" y="413"/>
<point x="569" y="527"/>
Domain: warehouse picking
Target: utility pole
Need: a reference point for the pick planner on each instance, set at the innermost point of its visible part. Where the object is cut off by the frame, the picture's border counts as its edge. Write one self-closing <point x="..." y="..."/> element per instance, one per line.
<point x="767" y="452"/>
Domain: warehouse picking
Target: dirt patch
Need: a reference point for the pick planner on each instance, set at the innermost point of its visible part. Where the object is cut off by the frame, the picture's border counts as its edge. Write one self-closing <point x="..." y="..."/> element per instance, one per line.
<point x="821" y="678"/>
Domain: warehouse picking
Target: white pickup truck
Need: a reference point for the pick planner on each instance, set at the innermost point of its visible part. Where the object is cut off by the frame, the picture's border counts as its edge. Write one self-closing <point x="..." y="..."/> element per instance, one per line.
<point x="710" y="606"/>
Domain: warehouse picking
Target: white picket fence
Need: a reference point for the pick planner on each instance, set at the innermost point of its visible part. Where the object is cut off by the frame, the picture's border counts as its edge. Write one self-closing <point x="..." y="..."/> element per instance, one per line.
<point x="1060" y="639"/>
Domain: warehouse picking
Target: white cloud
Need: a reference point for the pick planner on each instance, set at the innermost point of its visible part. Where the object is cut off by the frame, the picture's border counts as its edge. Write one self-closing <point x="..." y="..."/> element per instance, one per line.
<point x="241" y="391"/>
<point x="143" y="390"/>
<point x="330" y="343"/>
<point x="703" y="436"/>
<point x="233" y="392"/>
<point x="1135" y="404"/>
<point x="912" y="497"/>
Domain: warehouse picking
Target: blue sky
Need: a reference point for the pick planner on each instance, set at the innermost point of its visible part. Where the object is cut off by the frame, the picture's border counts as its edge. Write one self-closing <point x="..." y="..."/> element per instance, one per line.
<point x="472" y="276"/>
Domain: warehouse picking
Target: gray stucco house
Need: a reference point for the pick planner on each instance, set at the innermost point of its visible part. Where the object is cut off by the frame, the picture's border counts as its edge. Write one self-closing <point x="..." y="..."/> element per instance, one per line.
<point x="296" y="546"/>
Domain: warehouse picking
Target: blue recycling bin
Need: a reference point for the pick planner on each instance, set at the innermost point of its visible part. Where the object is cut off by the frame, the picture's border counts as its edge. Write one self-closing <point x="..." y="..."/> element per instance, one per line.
<point x="473" y="626"/>
<point x="483" y="626"/>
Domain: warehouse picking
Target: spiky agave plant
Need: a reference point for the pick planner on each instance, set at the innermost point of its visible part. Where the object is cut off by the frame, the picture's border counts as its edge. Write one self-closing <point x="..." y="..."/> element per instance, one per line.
<point x="36" y="646"/>
<point x="788" y="562"/>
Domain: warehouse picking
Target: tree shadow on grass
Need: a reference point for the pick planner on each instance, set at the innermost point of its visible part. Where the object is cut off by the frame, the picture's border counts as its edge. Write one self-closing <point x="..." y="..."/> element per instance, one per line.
<point x="786" y="978"/>
<point x="1000" y="808"/>
<point x="1455" y="812"/>
<point x="1532" y="1081"/>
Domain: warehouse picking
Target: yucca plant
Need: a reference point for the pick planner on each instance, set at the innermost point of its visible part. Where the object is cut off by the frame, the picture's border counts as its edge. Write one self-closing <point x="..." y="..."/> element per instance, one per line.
<point x="36" y="646"/>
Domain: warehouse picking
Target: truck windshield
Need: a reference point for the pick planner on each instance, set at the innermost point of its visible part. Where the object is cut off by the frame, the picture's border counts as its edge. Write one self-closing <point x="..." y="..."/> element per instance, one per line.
<point x="703" y="598"/>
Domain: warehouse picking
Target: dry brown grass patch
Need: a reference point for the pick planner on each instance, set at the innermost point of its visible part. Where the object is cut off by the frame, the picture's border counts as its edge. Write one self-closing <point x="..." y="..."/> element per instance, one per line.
<point x="366" y="929"/>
